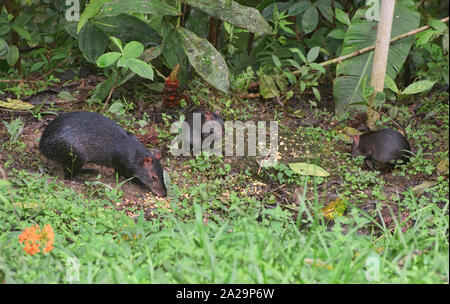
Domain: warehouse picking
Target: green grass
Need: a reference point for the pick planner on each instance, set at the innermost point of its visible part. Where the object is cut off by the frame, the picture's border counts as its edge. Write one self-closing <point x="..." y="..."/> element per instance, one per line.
<point x="251" y="245"/>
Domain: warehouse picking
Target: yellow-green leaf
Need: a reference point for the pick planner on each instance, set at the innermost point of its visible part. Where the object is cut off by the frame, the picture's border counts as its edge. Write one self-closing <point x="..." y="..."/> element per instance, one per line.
<point x="308" y="169"/>
<point x="15" y="104"/>
<point x="425" y="185"/>
<point x="335" y="208"/>
<point x="442" y="167"/>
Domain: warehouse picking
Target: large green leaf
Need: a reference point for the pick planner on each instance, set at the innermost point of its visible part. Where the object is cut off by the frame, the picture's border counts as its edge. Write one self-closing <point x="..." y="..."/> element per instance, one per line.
<point x="234" y="13"/>
<point x="172" y="51"/>
<point x="205" y="59"/>
<point x="141" y="68"/>
<point x="107" y="59"/>
<point x="297" y="8"/>
<point x="129" y="28"/>
<point x="23" y="33"/>
<point x="310" y="19"/>
<point x="149" y="54"/>
<point x="342" y="17"/>
<point x="362" y="33"/>
<point x="154" y="7"/>
<point x="325" y="8"/>
<point x="90" y="11"/>
<point x="308" y="169"/>
<point x="4" y="29"/>
<point x="71" y="28"/>
<point x="13" y="55"/>
<point x="312" y="54"/>
<point x="22" y="20"/>
<point x="4" y="48"/>
<point x="133" y="49"/>
<point x="418" y="87"/>
<point x="267" y="87"/>
<point x="92" y="42"/>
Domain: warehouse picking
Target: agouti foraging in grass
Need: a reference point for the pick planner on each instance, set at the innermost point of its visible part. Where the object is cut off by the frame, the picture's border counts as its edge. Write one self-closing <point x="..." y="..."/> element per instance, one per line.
<point x="76" y="138"/>
<point x="196" y="120"/>
<point x="382" y="147"/>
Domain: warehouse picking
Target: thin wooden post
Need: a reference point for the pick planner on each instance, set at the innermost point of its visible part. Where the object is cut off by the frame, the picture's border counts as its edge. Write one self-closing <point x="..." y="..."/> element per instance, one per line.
<point x="380" y="57"/>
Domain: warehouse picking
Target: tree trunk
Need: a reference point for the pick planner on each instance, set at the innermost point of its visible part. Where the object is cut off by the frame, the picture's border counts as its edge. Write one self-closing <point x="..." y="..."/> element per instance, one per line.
<point x="380" y="57"/>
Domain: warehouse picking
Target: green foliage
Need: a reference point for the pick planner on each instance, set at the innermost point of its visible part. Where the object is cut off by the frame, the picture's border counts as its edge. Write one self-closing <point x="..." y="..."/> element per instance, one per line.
<point x="91" y="9"/>
<point x="18" y="25"/>
<point x="37" y="23"/>
<point x="281" y="56"/>
<point x="101" y="17"/>
<point x="14" y="129"/>
<point x="362" y="33"/>
<point x="126" y="66"/>
<point x="129" y="28"/>
<point x="430" y="54"/>
<point x="110" y="247"/>
<point x="92" y="42"/>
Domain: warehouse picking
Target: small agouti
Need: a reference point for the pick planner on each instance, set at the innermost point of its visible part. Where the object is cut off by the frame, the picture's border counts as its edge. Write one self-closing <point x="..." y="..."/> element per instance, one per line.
<point x="75" y="138"/>
<point x="196" y="137"/>
<point x="381" y="147"/>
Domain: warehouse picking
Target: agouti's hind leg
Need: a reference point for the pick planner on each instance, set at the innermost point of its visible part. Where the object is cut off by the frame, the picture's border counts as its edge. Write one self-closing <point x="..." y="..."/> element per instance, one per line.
<point x="385" y="168"/>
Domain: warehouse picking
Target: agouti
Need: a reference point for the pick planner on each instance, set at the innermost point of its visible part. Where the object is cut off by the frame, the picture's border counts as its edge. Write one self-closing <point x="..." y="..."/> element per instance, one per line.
<point x="382" y="147"/>
<point x="76" y="138"/>
<point x="196" y="137"/>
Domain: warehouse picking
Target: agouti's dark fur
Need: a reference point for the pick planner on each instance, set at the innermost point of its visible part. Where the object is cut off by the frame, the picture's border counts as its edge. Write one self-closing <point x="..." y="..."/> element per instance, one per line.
<point x="76" y="138"/>
<point x="381" y="147"/>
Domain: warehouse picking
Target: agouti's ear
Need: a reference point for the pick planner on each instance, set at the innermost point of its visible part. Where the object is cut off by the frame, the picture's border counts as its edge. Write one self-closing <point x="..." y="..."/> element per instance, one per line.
<point x="208" y="115"/>
<point x="158" y="155"/>
<point x="217" y="112"/>
<point x="356" y="140"/>
<point x="148" y="161"/>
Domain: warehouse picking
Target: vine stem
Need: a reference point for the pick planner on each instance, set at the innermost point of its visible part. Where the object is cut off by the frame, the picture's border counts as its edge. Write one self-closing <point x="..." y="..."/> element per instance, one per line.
<point x="370" y="48"/>
<point x="110" y="92"/>
<point x="363" y="50"/>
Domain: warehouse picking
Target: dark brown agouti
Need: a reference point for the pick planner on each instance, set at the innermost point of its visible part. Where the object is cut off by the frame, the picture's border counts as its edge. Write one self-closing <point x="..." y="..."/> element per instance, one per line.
<point x="381" y="147"/>
<point x="196" y="137"/>
<point x="76" y="138"/>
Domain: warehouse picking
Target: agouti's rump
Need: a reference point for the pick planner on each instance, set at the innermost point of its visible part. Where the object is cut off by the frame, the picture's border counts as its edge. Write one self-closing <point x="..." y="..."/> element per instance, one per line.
<point x="76" y="138"/>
